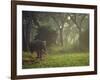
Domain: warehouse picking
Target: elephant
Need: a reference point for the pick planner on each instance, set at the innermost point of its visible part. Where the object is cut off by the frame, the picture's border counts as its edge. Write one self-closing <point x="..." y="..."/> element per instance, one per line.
<point x="39" y="47"/>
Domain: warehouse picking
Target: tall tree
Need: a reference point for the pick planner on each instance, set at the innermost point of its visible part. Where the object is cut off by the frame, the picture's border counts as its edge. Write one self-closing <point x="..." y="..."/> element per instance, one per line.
<point x="60" y="19"/>
<point x="29" y="20"/>
<point x="78" y="21"/>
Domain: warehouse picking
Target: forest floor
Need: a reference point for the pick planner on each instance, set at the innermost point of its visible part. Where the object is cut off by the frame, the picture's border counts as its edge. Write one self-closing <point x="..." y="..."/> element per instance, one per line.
<point x="56" y="60"/>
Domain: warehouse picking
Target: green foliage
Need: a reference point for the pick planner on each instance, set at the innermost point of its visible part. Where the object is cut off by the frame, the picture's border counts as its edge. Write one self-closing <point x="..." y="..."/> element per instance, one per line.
<point x="60" y="60"/>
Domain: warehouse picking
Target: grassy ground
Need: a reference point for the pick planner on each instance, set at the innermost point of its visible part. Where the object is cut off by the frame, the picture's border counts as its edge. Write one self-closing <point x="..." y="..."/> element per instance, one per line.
<point x="56" y="60"/>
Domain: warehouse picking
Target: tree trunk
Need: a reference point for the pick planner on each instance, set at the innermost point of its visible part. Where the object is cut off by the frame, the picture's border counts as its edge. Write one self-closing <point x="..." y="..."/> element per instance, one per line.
<point x="61" y="37"/>
<point x="26" y="34"/>
<point x="80" y="48"/>
<point x="24" y="37"/>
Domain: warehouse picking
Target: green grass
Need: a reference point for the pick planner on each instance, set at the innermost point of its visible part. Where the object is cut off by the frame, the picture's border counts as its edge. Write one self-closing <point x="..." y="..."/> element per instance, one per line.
<point x="56" y="60"/>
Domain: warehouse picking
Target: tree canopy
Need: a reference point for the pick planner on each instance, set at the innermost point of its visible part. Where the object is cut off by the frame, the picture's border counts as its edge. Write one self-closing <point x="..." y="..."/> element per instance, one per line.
<point x="68" y="30"/>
